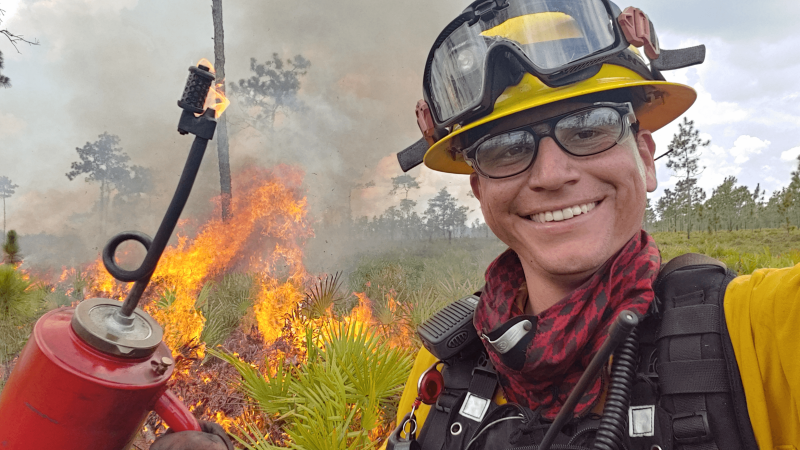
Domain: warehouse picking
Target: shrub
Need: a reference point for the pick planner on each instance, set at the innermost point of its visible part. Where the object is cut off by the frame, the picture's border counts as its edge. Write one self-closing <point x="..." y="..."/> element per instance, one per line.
<point x="335" y="399"/>
<point x="18" y="299"/>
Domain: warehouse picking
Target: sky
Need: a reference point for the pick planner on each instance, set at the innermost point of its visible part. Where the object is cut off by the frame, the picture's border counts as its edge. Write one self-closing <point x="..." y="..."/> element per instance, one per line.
<point x="120" y="66"/>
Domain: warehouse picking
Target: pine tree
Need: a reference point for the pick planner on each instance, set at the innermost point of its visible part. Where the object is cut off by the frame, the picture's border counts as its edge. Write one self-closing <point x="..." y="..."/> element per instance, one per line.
<point x="11" y="249"/>
<point x="222" y="121"/>
<point x="102" y="161"/>
<point x="684" y="159"/>
<point x="6" y="191"/>
<point x="444" y="214"/>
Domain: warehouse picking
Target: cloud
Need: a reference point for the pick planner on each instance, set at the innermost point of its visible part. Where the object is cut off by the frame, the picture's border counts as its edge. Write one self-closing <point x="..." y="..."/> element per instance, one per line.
<point x="736" y="20"/>
<point x="10" y="125"/>
<point x="791" y="154"/>
<point x="707" y="111"/>
<point x="744" y="146"/>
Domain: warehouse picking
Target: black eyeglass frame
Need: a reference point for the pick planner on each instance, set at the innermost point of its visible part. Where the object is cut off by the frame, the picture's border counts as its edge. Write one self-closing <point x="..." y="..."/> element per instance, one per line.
<point x="625" y="111"/>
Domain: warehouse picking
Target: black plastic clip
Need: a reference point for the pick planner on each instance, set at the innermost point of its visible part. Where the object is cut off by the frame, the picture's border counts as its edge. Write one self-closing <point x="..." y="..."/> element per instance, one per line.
<point x="706" y="436"/>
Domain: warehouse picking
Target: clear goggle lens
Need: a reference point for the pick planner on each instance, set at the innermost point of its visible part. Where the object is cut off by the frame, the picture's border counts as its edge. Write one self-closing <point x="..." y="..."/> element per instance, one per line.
<point x="582" y="133"/>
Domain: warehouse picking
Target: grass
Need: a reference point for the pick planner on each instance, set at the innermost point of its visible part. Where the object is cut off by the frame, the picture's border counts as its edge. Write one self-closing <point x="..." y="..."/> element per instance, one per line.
<point x="422" y="277"/>
<point x="743" y="251"/>
<point x="223" y="304"/>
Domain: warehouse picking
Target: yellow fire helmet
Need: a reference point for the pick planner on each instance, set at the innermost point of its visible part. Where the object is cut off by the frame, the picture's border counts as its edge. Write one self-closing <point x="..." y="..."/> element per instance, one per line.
<point x="503" y="57"/>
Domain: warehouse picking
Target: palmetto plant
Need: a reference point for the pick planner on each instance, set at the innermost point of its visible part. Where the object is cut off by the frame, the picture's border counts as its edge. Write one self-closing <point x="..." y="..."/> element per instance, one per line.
<point x="336" y="398"/>
<point x="223" y="305"/>
<point x="323" y="296"/>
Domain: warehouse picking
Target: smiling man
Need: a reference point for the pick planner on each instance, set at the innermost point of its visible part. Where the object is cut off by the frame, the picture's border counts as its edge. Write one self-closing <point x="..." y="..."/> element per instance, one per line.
<point x="549" y="106"/>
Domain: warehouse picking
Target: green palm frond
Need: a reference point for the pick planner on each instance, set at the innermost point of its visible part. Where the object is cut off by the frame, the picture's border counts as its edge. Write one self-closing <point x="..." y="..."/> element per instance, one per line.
<point x="335" y="399"/>
<point x="255" y="440"/>
<point x="376" y="371"/>
<point x="323" y="296"/>
<point x="223" y="305"/>
<point x="274" y="396"/>
<point x="167" y="298"/>
<point x="325" y="416"/>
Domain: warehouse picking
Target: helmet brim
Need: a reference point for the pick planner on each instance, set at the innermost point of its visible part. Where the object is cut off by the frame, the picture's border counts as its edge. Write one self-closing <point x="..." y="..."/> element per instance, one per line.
<point x="666" y="102"/>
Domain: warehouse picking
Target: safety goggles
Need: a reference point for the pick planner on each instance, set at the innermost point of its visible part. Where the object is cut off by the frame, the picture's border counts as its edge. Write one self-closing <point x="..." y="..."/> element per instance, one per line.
<point x="587" y="131"/>
<point x="493" y="43"/>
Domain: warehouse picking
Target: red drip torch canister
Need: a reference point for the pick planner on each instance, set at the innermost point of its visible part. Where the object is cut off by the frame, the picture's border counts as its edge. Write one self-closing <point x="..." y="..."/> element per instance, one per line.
<point x="87" y="380"/>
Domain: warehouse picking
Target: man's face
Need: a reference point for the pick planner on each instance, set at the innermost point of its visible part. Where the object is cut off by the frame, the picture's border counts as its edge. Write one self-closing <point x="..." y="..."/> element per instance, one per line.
<point x="611" y="186"/>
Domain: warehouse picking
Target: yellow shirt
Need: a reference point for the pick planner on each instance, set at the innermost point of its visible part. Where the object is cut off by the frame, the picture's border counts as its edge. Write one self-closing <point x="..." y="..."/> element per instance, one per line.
<point x="762" y="311"/>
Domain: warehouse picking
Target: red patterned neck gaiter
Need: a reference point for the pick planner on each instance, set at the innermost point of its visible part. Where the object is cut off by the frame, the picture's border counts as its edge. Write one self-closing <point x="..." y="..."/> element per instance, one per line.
<point x="544" y="366"/>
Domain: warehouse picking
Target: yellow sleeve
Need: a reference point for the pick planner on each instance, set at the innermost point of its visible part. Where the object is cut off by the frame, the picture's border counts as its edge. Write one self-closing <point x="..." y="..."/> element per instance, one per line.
<point x="762" y="311"/>
<point x="424" y="360"/>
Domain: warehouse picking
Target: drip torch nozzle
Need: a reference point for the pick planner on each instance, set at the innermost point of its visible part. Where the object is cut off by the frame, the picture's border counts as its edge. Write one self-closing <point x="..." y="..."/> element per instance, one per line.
<point x="196" y="90"/>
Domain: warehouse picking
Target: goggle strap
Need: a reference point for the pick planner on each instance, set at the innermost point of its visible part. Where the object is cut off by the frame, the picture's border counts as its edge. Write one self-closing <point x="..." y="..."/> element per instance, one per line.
<point x="678" y="59"/>
<point x="412" y="155"/>
<point x="506" y="71"/>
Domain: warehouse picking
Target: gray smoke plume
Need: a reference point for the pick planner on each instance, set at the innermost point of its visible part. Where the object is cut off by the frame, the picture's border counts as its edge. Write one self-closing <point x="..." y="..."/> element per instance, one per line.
<point x="119" y="67"/>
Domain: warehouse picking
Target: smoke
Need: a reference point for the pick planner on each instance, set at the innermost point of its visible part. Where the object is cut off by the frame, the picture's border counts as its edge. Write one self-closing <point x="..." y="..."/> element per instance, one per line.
<point x="119" y="67"/>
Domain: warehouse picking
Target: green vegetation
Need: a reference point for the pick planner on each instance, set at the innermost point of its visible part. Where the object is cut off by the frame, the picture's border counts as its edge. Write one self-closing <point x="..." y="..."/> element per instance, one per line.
<point x="11" y="249"/>
<point x="223" y="304"/>
<point x="21" y="303"/>
<point x="422" y="277"/>
<point x="335" y="399"/>
<point x="730" y="206"/>
<point x="743" y="251"/>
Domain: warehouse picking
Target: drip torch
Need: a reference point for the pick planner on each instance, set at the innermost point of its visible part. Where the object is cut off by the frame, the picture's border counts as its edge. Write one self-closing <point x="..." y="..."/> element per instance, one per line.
<point x="88" y="376"/>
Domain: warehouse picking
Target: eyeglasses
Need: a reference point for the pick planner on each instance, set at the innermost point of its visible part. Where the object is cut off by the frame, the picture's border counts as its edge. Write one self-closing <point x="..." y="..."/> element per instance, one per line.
<point x="584" y="132"/>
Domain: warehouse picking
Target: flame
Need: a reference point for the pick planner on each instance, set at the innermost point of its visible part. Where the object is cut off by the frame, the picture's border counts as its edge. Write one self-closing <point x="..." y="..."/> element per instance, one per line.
<point x="216" y="98"/>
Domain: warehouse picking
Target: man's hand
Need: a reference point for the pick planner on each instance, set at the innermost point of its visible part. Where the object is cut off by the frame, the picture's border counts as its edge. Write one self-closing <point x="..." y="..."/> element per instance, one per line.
<point x="213" y="437"/>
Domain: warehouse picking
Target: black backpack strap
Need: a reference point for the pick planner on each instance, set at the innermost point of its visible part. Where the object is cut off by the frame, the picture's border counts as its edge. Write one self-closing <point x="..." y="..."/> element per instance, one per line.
<point x="470" y="380"/>
<point x="685" y="260"/>
<point x="697" y="377"/>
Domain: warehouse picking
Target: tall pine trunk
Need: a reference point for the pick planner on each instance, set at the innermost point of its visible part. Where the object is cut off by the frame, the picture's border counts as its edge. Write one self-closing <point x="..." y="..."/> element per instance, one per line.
<point x="222" y="124"/>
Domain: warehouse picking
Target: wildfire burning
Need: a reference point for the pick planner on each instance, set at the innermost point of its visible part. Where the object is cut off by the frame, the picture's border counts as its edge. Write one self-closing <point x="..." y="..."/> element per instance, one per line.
<point x="263" y="238"/>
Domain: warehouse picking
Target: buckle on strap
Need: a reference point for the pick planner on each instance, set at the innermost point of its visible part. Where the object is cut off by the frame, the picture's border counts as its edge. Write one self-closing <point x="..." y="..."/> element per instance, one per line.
<point x="686" y="427"/>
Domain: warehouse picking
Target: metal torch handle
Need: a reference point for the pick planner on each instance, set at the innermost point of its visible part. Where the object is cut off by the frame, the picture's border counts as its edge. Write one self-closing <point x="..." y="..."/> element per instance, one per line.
<point x="625" y="322"/>
<point x="176" y="415"/>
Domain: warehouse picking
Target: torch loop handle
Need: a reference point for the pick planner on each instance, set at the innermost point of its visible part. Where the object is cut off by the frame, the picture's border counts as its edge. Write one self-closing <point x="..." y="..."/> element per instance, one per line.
<point x="170" y="408"/>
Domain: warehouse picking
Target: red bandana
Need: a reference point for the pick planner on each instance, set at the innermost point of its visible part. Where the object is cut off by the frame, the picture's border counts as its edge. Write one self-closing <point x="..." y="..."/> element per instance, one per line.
<point x="568" y="333"/>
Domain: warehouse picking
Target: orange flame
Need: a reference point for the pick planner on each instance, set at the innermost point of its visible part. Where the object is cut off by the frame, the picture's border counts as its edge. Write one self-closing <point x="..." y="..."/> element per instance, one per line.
<point x="216" y="98"/>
